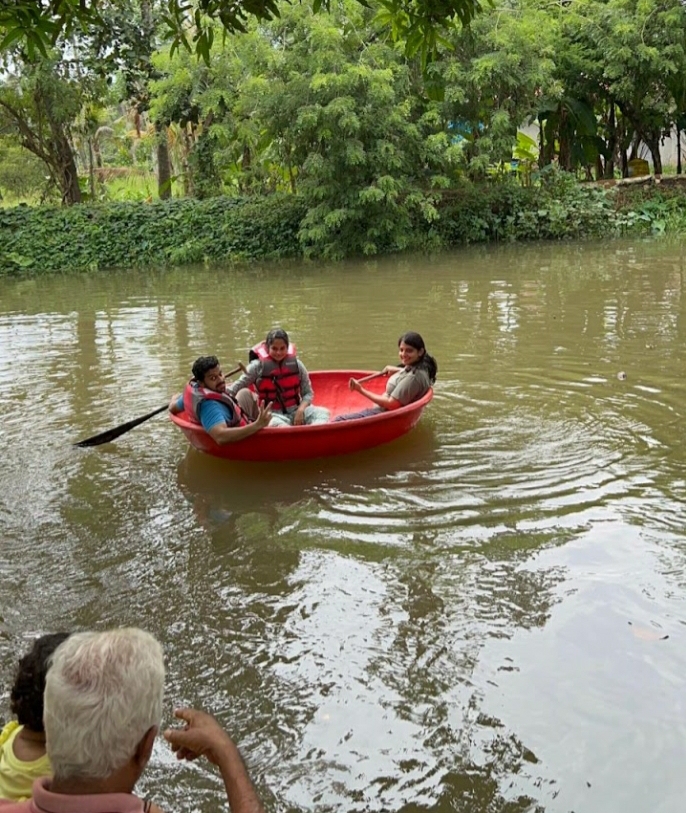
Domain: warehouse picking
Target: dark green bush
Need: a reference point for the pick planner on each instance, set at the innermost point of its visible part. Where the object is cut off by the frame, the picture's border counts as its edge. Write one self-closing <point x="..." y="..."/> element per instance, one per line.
<point x="177" y="232"/>
<point x="110" y="235"/>
<point x="508" y="211"/>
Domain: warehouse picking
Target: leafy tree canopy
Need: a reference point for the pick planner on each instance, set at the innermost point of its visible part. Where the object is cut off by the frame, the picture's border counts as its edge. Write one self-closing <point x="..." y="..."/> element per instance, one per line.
<point x="38" y="23"/>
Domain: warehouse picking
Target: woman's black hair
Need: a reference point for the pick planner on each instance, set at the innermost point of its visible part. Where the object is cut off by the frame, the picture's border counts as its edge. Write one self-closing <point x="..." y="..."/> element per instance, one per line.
<point x="202" y="366"/>
<point x="26" y="698"/>
<point x="426" y="362"/>
<point x="274" y="334"/>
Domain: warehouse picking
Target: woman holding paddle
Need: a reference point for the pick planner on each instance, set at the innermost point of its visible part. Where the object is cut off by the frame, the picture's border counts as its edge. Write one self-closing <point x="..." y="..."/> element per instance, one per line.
<point x="407" y="383"/>
<point x="282" y="381"/>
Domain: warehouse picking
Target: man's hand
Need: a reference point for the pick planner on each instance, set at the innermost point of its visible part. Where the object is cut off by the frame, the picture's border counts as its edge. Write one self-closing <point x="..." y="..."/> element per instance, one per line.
<point x="264" y="415"/>
<point x="355" y="385"/>
<point x="202" y="736"/>
<point x="173" y="408"/>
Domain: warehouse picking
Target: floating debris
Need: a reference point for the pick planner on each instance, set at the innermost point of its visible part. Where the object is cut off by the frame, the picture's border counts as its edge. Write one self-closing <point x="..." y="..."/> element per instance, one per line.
<point x="621" y="376"/>
<point x="647" y="634"/>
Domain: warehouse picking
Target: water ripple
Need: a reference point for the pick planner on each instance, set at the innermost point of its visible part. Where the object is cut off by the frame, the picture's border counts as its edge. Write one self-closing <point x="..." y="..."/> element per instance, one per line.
<point x="470" y="618"/>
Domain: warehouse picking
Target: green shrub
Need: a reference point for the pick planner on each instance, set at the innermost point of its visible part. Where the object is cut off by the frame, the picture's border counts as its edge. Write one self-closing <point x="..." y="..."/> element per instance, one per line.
<point x="508" y="211"/>
<point x="110" y="235"/>
<point x="558" y="207"/>
<point x="176" y="232"/>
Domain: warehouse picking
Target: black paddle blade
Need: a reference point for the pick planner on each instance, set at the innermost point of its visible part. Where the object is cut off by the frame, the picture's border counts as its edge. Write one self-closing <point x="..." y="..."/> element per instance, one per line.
<point x="111" y="434"/>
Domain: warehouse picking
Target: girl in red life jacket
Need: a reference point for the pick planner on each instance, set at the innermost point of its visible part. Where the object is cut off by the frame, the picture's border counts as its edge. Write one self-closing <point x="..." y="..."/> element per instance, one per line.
<point x="282" y="381"/>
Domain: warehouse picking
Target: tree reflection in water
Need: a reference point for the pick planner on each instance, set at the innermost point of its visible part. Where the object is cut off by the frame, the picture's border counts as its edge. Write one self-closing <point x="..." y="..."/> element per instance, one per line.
<point x="348" y="661"/>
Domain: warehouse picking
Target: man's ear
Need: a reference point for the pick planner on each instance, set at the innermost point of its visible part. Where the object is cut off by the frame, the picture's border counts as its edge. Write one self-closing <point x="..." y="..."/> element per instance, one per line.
<point x="144" y="747"/>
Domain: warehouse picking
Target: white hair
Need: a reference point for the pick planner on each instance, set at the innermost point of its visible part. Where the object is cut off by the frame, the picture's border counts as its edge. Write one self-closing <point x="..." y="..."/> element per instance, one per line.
<point x="103" y="692"/>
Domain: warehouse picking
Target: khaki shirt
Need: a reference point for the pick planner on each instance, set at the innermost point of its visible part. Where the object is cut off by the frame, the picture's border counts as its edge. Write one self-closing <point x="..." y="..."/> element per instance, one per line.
<point x="408" y="385"/>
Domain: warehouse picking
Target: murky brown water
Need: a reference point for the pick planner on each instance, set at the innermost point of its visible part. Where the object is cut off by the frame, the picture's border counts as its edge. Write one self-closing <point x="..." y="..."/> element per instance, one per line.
<point x="468" y="619"/>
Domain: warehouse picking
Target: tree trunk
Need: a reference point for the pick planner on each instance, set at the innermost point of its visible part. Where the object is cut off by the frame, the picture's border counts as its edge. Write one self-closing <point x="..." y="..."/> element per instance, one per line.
<point x="652" y="141"/>
<point x="96" y="152"/>
<point x="609" y="172"/>
<point x="541" y="143"/>
<point x="611" y="143"/>
<point x="624" y="163"/>
<point x="65" y="171"/>
<point x="163" y="166"/>
<point x="186" y="172"/>
<point x="91" y="169"/>
<point x="635" y="141"/>
<point x="564" y="156"/>
<point x="678" y="150"/>
<point x="599" y="168"/>
<point x="548" y="133"/>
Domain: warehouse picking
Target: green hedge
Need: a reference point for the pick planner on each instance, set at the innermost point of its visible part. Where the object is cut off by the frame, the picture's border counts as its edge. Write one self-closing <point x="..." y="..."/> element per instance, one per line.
<point x="50" y="239"/>
<point x="560" y="208"/>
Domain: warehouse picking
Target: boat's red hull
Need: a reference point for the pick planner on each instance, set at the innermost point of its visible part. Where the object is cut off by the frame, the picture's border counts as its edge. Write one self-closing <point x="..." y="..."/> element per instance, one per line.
<point x="323" y="440"/>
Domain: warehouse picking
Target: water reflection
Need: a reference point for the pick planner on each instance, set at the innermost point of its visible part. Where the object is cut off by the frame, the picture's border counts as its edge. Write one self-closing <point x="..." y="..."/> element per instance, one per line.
<point x="444" y="623"/>
<point x="294" y="500"/>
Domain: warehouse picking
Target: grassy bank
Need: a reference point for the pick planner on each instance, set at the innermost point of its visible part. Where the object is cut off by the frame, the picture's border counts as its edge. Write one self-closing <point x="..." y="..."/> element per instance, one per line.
<point x="137" y="234"/>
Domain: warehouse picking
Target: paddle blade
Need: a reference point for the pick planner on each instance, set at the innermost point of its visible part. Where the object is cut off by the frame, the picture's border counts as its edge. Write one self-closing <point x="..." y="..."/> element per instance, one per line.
<point x="111" y="434"/>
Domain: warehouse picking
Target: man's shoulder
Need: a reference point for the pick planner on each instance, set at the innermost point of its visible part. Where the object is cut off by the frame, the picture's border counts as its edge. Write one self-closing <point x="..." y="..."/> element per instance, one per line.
<point x="6" y="806"/>
<point x="45" y="800"/>
<point x="211" y="412"/>
<point x="212" y="406"/>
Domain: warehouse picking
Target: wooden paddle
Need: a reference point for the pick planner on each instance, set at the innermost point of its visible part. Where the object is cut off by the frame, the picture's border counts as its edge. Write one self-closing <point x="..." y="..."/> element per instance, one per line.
<point x="112" y="434"/>
<point x="369" y="377"/>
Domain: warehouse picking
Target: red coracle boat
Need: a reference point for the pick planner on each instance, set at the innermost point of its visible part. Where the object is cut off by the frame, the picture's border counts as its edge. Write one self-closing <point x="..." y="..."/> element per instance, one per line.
<point x="322" y="440"/>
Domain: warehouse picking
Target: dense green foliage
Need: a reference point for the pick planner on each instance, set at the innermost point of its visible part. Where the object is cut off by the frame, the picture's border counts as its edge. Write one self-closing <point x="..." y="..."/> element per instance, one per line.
<point x="36" y="26"/>
<point x="21" y="173"/>
<point x="54" y="239"/>
<point x="50" y="239"/>
<point x="375" y="136"/>
<point x="559" y="209"/>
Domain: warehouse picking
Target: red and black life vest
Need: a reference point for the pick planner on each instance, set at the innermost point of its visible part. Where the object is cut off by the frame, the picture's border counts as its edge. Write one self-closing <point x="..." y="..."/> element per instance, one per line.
<point x="194" y="395"/>
<point x="279" y="382"/>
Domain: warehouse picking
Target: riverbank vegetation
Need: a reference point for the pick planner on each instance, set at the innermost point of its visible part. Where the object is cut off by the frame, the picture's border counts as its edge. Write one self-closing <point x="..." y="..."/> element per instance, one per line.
<point x="357" y="129"/>
<point x="51" y="239"/>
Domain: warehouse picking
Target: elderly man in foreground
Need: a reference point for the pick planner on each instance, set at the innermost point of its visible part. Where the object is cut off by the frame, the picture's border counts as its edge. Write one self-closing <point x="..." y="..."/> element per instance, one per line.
<point x="103" y="709"/>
